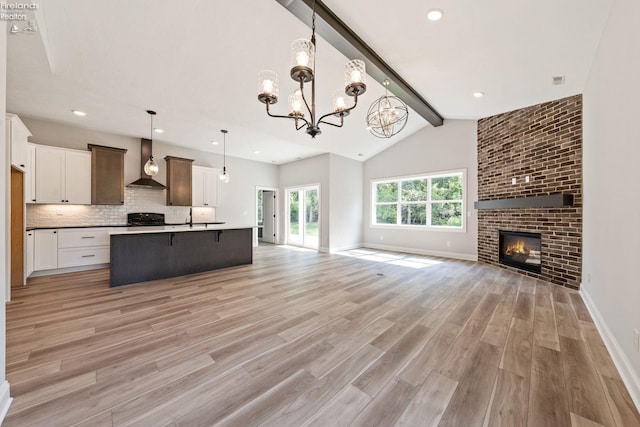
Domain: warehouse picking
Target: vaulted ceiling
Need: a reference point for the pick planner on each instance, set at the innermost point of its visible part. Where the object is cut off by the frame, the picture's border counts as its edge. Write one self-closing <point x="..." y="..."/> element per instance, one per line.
<point x="196" y="63"/>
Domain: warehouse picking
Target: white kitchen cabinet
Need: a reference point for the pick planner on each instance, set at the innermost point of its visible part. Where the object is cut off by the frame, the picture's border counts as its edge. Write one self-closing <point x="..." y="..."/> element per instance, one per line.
<point x="45" y="254"/>
<point x="70" y="247"/>
<point x="83" y="246"/>
<point x="204" y="186"/>
<point x="83" y="237"/>
<point x="18" y="134"/>
<point x="30" y="175"/>
<point x="29" y="248"/>
<point x="63" y="176"/>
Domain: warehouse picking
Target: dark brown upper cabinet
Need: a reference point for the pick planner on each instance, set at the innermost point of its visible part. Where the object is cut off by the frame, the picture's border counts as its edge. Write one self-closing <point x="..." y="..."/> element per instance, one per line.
<point x="178" y="181"/>
<point x="107" y="175"/>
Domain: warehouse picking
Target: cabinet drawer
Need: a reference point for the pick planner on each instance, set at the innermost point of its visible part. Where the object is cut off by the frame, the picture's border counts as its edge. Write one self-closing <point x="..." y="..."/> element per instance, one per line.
<point x="83" y="256"/>
<point x="81" y="237"/>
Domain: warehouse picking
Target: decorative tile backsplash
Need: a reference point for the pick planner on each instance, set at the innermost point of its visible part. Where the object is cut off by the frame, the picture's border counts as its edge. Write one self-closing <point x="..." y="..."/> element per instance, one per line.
<point x="135" y="200"/>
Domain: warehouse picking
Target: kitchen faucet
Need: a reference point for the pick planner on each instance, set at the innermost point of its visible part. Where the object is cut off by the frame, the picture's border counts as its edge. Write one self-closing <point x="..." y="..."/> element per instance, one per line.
<point x="190" y="217"/>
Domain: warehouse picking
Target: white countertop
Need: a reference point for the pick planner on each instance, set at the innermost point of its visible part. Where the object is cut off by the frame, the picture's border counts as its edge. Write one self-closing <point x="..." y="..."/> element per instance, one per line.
<point x="177" y="228"/>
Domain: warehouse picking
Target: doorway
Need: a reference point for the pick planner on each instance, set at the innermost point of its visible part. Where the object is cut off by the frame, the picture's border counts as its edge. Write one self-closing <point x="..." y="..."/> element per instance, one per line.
<point x="266" y="214"/>
<point x="303" y="217"/>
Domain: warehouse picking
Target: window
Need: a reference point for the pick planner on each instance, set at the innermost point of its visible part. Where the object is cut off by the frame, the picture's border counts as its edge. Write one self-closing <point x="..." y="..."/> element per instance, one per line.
<point x="429" y="201"/>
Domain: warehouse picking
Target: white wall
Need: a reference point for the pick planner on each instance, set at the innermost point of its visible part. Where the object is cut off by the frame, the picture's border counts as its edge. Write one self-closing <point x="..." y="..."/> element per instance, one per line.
<point x="611" y="231"/>
<point x="311" y="171"/>
<point x="448" y="147"/>
<point x="345" y="203"/>
<point x="236" y="200"/>
<point x="5" y="400"/>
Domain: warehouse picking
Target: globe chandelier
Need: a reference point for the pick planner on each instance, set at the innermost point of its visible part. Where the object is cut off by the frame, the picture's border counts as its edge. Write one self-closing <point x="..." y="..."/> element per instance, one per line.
<point x="388" y="115"/>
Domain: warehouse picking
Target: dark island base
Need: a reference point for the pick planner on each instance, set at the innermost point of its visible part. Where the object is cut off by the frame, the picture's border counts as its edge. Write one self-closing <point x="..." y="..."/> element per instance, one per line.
<point x="150" y="256"/>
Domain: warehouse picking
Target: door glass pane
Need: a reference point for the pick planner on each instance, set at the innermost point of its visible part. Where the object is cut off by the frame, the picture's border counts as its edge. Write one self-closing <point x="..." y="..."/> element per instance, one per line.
<point x="311" y="217"/>
<point x="295" y="237"/>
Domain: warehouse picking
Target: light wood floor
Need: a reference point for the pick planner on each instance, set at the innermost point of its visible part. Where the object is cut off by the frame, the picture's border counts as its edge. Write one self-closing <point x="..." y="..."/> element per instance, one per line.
<point x="300" y="338"/>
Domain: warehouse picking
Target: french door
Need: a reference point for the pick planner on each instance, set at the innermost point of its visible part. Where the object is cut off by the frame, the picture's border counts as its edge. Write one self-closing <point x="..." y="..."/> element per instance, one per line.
<point x="303" y="217"/>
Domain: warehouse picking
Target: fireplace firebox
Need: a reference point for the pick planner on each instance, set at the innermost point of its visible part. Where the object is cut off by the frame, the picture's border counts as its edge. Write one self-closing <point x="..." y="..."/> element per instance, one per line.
<point x="521" y="250"/>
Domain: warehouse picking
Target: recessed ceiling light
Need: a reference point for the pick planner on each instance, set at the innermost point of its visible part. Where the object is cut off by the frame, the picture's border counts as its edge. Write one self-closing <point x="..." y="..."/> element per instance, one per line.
<point x="256" y="151"/>
<point x="478" y="94"/>
<point x="435" y="14"/>
<point x="158" y="130"/>
<point x="79" y="113"/>
<point x="214" y="143"/>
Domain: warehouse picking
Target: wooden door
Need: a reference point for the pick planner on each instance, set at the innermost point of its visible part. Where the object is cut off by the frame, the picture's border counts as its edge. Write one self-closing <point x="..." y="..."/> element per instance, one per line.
<point x="17" y="228"/>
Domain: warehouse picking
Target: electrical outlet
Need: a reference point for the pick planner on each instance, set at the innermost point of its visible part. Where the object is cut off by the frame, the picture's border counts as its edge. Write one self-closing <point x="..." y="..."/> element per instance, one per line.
<point x="381" y="237"/>
<point x="636" y="340"/>
<point x="514" y="181"/>
<point x="448" y="243"/>
<point x="526" y="178"/>
<point x="588" y="277"/>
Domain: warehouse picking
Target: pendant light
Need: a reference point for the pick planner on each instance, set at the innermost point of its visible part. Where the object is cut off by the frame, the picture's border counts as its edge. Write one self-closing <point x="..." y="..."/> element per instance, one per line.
<point x="388" y="115"/>
<point x="303" y="54"/>
<point x="224" y="176"/>
<point x="151" y="167"/>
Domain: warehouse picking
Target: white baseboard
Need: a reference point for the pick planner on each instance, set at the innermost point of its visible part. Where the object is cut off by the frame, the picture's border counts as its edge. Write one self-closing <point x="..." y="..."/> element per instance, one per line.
<point x="346" y="248"/>
<point x="323" y="249"/>
<point x="417" y="251"/>
<point x="5" y="400"/>
<point x="68" y="270"/>
<point x="628" y="374"/>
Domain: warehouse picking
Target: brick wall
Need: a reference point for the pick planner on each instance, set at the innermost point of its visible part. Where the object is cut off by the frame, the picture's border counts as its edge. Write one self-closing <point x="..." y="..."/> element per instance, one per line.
<point x="543" y="142"/>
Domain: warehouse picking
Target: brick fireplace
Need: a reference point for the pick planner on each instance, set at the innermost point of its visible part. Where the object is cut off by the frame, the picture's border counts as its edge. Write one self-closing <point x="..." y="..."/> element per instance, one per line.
<point x="544" y="143"/>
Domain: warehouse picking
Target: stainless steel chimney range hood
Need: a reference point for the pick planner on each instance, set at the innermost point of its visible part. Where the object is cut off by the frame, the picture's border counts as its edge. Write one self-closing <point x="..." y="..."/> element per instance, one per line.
<point x="145" y="181"/>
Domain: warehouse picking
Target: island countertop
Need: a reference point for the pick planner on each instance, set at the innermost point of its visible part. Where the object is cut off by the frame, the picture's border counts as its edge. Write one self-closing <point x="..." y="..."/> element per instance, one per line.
<point x="178" y="228"/>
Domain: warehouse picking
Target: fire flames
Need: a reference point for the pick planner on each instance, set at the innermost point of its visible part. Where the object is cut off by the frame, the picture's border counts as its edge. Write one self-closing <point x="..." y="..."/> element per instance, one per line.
<point x="516" y="248"/>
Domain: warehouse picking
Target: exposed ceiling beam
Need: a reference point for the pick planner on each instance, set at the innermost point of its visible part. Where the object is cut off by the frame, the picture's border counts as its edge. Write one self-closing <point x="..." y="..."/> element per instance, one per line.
<point x="340" y="36"/>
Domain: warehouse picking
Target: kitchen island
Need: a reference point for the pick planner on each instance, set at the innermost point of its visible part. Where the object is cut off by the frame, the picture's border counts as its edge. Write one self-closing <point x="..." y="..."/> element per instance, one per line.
<point x="140" y="254"/>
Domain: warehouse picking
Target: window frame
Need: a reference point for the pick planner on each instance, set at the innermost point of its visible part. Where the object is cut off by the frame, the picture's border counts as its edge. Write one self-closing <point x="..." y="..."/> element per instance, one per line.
<point x="399" y="203"/>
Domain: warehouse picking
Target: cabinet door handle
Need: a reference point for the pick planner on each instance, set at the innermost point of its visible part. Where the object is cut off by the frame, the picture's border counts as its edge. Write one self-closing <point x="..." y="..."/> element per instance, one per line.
<point x="88" y="256"/>
<point x="33" y="200"/>
<point x="21" y="166"/>
<point x="88" y="237"/>
<point x="54" y="232"/>
<point x="62" y="200"/>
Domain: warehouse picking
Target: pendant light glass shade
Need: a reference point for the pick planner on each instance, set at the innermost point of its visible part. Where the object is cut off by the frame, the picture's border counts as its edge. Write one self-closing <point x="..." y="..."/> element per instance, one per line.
<point x="268" y="86"/>
<point x="224" y="176"/>
<point x="151" y="167"/>
<point x="303" y="54"/>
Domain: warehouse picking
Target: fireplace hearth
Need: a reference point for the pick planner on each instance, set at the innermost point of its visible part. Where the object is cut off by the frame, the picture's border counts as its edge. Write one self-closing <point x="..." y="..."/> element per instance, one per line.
<point x="521" y="250"/>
